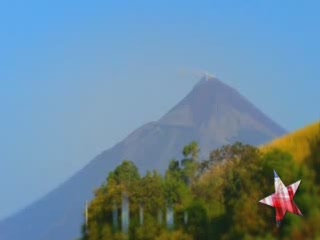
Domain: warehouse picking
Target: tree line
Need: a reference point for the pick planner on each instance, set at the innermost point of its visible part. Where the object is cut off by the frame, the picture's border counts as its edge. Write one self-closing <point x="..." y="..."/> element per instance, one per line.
<point x="214" y="198"/>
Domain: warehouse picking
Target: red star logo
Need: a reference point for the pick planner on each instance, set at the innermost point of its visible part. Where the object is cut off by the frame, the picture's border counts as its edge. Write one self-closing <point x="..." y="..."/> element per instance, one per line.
<point x="282" y="199"/>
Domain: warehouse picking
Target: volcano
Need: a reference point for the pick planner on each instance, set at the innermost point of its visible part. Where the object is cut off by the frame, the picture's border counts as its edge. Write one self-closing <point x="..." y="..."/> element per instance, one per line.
<point x="213" y="114"/>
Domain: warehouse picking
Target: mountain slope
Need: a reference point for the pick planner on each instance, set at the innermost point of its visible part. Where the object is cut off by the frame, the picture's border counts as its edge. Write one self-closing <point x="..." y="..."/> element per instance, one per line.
<point x="213" y="114"/>
<point x="297" y="143"/>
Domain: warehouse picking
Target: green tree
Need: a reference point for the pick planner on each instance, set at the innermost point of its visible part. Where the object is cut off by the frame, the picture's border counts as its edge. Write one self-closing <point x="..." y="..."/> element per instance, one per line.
<point x="190" y="163"/>
<point x="191" y="150"/>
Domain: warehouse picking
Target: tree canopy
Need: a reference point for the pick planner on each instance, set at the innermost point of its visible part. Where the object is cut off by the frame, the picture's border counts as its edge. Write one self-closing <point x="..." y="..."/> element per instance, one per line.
<point x="214" y="198"/>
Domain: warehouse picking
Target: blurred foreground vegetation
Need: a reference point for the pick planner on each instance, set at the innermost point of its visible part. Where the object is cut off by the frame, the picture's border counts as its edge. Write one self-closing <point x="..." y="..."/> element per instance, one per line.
<point x="220" y="195"/>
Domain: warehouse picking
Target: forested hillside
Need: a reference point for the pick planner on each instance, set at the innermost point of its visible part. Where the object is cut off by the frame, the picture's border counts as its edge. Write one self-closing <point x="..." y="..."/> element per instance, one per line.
<point x="214" y="198"/>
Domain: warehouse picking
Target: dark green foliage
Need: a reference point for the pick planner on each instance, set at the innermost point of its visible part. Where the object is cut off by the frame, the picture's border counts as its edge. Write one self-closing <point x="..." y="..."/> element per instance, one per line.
<point x="219" y="195"/>
<point x="198" y="225"/>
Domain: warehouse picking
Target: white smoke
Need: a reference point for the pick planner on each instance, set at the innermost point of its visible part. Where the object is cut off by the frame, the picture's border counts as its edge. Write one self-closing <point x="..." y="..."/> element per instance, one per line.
<point x="197" y="74"/>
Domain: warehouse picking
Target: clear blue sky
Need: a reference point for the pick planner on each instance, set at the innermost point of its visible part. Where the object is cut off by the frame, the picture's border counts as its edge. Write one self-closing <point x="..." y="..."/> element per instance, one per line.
<point x="77" y="76"/>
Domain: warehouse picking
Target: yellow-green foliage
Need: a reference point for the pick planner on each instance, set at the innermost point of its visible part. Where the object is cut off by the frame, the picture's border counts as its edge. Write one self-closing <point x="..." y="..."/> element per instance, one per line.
<point x="297" y="143"/>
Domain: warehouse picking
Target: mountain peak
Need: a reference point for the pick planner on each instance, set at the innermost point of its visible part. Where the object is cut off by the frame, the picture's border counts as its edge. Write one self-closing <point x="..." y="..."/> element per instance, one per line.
<point x="206" y="99"/>
<point x="211" y="84"/>
<point x="208" y="78"/>
<point x="214" y="105"/>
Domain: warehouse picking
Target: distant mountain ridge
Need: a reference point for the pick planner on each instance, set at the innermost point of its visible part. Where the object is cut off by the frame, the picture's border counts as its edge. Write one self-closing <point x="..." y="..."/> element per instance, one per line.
<point x="212" y="114"/>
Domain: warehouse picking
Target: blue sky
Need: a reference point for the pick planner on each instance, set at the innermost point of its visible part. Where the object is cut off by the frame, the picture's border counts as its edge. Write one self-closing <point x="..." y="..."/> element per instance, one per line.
<point x="76" y="77"/>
